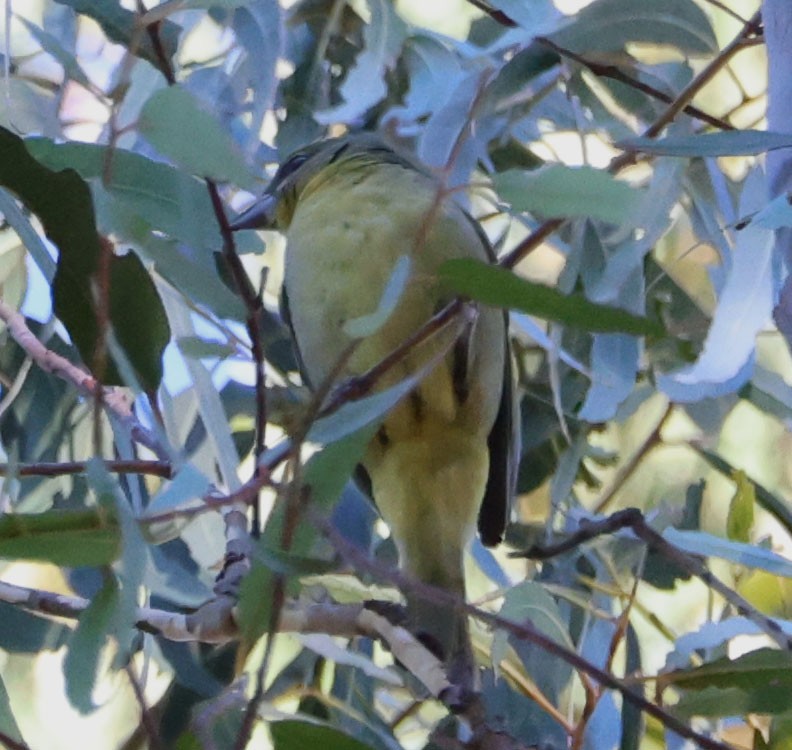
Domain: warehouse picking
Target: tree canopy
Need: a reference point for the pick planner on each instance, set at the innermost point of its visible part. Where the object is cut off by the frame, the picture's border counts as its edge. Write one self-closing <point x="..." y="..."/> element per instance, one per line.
<point x="184" y="561"/>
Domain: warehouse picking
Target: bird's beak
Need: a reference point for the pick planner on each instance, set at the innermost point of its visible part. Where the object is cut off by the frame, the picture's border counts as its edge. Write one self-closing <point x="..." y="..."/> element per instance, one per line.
<point x="260" y="215"/>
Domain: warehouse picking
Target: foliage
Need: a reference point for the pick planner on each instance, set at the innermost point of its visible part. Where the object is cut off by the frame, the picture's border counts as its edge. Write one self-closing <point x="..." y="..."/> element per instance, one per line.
<point x="613" y="156"/>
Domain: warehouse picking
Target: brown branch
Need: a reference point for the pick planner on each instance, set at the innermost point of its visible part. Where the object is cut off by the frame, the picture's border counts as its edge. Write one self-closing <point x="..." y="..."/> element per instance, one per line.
<point x="113" y="399"/>
<point x="496" y="15"/>
<point x="652" y="440"/>
<point x="524" y="631"/>
<point x="633" y="519"/>
<point x="162" y="469"/>
<point x="147" y="720"/>
<point x="617" y="74"/>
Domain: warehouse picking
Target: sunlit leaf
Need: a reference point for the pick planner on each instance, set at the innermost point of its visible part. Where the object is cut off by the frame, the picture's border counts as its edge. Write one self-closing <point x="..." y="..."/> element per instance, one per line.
<point x="609" y="25"/>
<point x="741" y="509"/>
<point x="366" y="325"/>
<point x="561" y="191"/>
<point x="701" y="543"/>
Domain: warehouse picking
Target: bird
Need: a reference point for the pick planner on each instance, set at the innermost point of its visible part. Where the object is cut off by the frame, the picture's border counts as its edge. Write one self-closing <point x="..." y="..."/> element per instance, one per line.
<point x="443" y="460"/>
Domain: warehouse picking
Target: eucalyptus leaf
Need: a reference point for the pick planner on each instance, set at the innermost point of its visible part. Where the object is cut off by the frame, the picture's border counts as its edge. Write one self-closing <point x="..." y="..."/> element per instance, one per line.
<point x="81" y="664"/>
<point x="169" y="200"/>
<point x="170" y="114"/>
<point x="364" y="85"/>
<point x="610" y="25"/>
<point x="744" y="308"/>
<point x="62" y="537"/>
<point x="298" y="735"/>
<point x="189" y="484"/>
<point x="726" y="143"/>
<point x="8" y="724"/>
<point x="701" y="543"/>
<point x="121" y="27"/>
<point x="560" y="191"/>
<point x="500" y="287"/>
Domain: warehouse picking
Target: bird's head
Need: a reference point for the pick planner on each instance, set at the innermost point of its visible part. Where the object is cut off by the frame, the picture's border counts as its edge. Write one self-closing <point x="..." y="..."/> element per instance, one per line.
<point x="275" y="208"/>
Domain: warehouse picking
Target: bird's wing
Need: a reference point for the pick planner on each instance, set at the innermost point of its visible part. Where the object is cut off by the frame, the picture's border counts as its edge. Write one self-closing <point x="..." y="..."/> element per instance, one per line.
<point x="503" y="445"/>
<point x="286" y="316"/>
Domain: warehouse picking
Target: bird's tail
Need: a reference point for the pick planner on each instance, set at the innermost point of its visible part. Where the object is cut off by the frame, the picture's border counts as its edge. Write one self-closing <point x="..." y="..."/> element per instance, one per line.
<point x="444" y="629"/>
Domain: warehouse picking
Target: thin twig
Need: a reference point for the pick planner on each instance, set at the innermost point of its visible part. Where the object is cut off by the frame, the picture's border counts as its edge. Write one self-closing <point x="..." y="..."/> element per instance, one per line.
<point x="604" y="70"/>
<point x="147" y="720"/>
<point x="113" y="399"/>
<point x="524" y="631"/>
<point x="56" y="469"/>
<point x="633" y="519"/>
<point x="652" y="440"/>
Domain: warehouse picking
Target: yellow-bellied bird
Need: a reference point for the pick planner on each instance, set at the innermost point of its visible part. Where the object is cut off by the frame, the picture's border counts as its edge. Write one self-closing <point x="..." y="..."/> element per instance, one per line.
<point x="351" y="208"/>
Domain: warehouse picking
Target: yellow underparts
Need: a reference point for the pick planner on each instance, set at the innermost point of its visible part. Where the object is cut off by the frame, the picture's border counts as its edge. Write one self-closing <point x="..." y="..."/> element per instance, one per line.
<point x="428" y="490"/>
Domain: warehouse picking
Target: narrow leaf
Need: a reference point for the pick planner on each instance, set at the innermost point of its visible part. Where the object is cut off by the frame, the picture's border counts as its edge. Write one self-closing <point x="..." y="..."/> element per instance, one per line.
<point x="701" y="543"/>
<point x="561" y="191"/>
<point x="85" y="647"/>
<point x="609" y="25"/>
<point x="728" y="143"/>
<point x="502" y="288"/>
<point x="754" y="669"/>
<point x="299" y="735"/>
<point x="135" y="306"/>
<point x="63" y="537"/>
<point x="741" y="509"/>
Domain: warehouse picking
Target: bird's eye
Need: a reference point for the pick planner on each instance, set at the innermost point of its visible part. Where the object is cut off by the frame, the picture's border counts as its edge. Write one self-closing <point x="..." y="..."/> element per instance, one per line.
<point x="291" y="165"/>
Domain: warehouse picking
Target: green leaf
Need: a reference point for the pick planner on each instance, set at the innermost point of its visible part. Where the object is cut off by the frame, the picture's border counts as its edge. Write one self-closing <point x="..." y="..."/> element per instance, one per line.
<point x="609" y="25"/>
<point x="62" y="202"/>
<point x="170" y="114"/>
<point x="24" y="632"/>
<point x="52" y="47"/>
<point x="64" y="537"/>
<point x="728" y="143"/>
<point x="500" y="287"/>
<point x="764" y="699"/>
<point x="365" y="81"/>
<point x="741" y="509"/>
<point x="199" y="348"/>
<point x="759" y="681"/>
<point x="85" y="646"/>
<point x="763" y="666"/>
<point x="766" y="499"/>
<point x="701" y="543"/>
<point x="299" y="735"/>
<point x="121" y="26"/>
<point x="560" y="191"/>
<point x="171" y="201"/>
<point x="188" y="485"/>
<point x="139" y="320"/>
